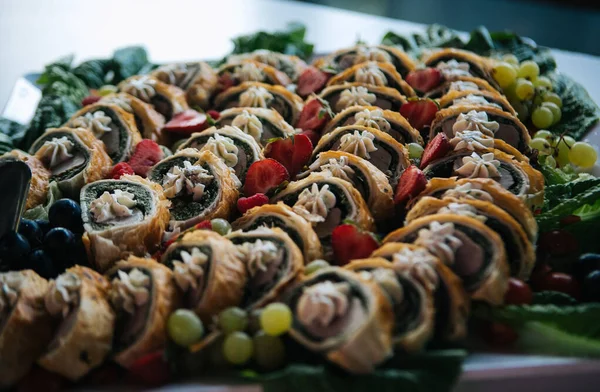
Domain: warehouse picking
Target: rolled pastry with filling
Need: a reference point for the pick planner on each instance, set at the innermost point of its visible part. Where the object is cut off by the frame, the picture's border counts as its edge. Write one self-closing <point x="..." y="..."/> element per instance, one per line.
<point x="262" y="124"/>
<point x="291" y="65"/>
<point x="232" y="74"/>
<point x="476" y="97"/>
<point x="343" y="96"/>
<point x="197" y="79"/>
<point x="461" y="83"/>
<point x="376" y="74"/>
<point x="470" y="139"/>
<point x="40" y="177"/>
<point x="167" y="99"/>
<point x="453" y="62"/>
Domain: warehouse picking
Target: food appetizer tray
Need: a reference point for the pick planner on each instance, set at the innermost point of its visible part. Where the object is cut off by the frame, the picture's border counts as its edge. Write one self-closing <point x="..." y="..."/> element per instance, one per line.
<point x="410" y="214"/>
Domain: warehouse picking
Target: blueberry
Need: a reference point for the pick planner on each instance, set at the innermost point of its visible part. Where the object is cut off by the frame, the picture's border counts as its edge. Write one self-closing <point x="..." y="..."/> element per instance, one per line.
<point x="586" y="263"/>
<point x="41" y="263"/>
<point x="66" y="213"/>
<point x="59" y="242"/>
<point x="591" y="286"/>
<point x="14" y="249"/>
<point x="44" y="225"/>
<point x="30" y="230"/>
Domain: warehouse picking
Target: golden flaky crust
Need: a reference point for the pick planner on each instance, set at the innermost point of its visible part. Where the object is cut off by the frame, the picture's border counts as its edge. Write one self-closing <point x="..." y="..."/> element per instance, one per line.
<point x="493" y="280"/>
<point x="199" y="89"/>
<point x="269" y="115"/>
<point x="165" y="299"/>
<point x="482" y="84"/>
<point x="85" y="343"/>
<point x="386" y="93"/>
<point x="40" y="177"/>
<point x="226" y="279"/>
<point x="310" y="243"/>
<point x="478" y="65"/>
<point x="25" y="334"/>
<point x="270" y="75"/>
<point x="394" y="79"/>
<point x="173" y="94"/>
<point x="491" y="96"/>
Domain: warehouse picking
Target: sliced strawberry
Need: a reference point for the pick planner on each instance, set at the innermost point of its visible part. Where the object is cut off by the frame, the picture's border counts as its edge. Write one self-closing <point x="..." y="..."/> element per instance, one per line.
<point x="349" y="242"/>
<point x="311" y="80"/>
<point x="312" y="135"/>
<point x="146" y="154"/>
<point x="246" y="203"/>
<point x="314" y="115"/>
<point x="90" y="99"/>
<point x="263" y="176"/>
<point x="419" y="112"/>
<point x="225" y="82"/>
<point x="292" y="152"/>
<point x="187" y="122"/>
<point x="214" y="114"/>
<point x="437" y="148"/>
<point x="120" y="169"/>
<point x="151" y="370"/>
<point x="412" y="182"/>
<point x="424" y="80"/>
<point x="204" y="225"/>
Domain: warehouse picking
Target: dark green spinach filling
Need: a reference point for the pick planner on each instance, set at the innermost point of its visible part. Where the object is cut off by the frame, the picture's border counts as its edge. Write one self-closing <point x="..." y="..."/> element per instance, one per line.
<point x="184" y="207"/>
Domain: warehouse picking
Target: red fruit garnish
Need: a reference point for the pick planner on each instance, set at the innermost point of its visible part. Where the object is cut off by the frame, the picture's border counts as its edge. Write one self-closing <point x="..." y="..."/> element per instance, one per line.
<point x="411" y="183"/>
<point x="539" y="274"/>
<point x="518" y="293"/>
<point x="498" y="335"/>
<point x="151" y="370"/>
<point x="263" y="176"/>
<point x="311" y="80"/>
<point x="349" y="243"/>
<point x="314" y="116"/>
<point x="90" y="99"/>
<point x="204" y="225"/>
<point x="225" y="82"/>
<point x="246" y="203"/>
<point x="120" y="169"/>
<point x="558" y="243"/>
<point x="438" y="147"/>
<point x="569" y="220"/>
<point x="312" y="135"/>
<point x="187" y="122"/>
<point x="146" y="154"/>
<point x="563" y="283"/>
<point x="40" y="379"/>
<point x="424" y="80"/>
<point x="214" y="114"/>
<point x="419" y="112"/>
<point x="292" y="152"/>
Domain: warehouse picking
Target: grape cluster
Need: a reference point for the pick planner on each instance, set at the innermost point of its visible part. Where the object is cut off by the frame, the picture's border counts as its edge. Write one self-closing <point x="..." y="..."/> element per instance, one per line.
<point x="560" y="151"/>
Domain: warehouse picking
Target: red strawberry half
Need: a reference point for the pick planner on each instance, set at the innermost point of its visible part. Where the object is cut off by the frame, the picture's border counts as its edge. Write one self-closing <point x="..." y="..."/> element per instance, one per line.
<point x="90" y="99"/>
<point x="146" y="154"/>
<point x="120" y="169"/>
<point x="424" y="80"/>
<point x="151" y="369"/>
<point x="187" y="122"/>
<point x="292" y="152"/>
<point x="312" y="135"/>
<point x="246" y="203"/>
<point x="419" y="112"/>
<point x="412" y="182"/>
<point x="214" y="114"/>
<point x="438" y="147"/>
<point x="311" y="80"/>
<point x="264" y="176"/>
<point x="314" y="115"/>
<point x="349" y="243"/>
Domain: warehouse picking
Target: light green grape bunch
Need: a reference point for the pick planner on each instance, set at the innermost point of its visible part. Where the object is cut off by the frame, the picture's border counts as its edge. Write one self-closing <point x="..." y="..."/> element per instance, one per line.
<point x="560" y="151"/>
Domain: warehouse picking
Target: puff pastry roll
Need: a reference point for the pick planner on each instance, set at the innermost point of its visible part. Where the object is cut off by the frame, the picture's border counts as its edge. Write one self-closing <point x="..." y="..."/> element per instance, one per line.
<point x="122" y="217"/>
<point x="376" y="74"/>
<point x="472" y="250"/>
<point x="232" y="74"/>
<point x="283" y="217"/>
<point x="343" y="96"/>
<point x="78" y="299"/>
<point x="208" y="271"/>
<point x="74" y="158"/>
<point x="143" y="294"/>
<point x="262" y="124"/>
<point x="167" y="99"/>
<point x="291" y="65"/>
<point x="476" y="97"/>
<point x="197" y="79"/>
<point x="456" y="62"/>
<point x="461" y="83"/>
<point x="40" y="177"/>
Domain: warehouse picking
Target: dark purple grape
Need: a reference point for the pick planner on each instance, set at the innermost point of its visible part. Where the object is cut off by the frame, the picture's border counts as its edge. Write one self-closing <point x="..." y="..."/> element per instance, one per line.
<point x="44" y="225"/>
<point x="14" y="249"/>
<point x="41" y="263"/>
<point x="66" y="213"/>
<point x="586" y="263"/>
<point x="30" y="230"/>
<point x="591" y="286"/>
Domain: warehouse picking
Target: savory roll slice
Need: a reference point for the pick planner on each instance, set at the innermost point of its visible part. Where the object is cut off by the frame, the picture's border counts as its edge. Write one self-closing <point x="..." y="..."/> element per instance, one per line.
<point x="476" y="97"/>
<point x="261" y="95"/>
<point x="489" y="120"/>
<point x="272" y="261"/>
<point x="326" y="201"/>
<point x="369" y="181"/>
<point x="477" y="141"/>
<point x="122" y="217"/>
<point x="409" y="286"/>
<point x="208" y="271"/>
<point x="472" y="250"/>
<point x="344" y="317"/>
<point x="376" y="74"/>
<point x="40" y="177"/>
<point x="373" y="117"/>
<point x="342" y="96"/>
<point x="291" y="65"/>
<point x="143" y="294"/>
<point x="519" y="249"/>
<point x="235" y="148"/>
<point x="456" y="62"/>
<point x="378" y="147"/>
<point x="78" y="299"/>
<point x="461" y="83"/>
<point x="283" y="217"/>
<point x="451" y="302"/>
<point x="262" y="124"/>
<point x="26" y="327"/>
<point x="167" y="99"/>
<point x="115" y="127"/>
<point x="197" y="79"/>
<point x="232" y="74"/>
<point x="74" y="158"/>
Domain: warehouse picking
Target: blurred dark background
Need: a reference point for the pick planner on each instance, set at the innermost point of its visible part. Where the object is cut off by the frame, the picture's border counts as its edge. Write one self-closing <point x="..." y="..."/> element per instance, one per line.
<point x="564" y="24"/>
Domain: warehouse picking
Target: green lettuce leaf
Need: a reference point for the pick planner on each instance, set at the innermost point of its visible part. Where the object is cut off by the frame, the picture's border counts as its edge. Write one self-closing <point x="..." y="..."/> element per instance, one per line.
<point x="553" y="298"/>
<point x="128" y="62"/>
<point x="94" y="72"/>
<point x="41" y="211"/>
<point x="289" y="41"/>
<point x="557" y="193"/>
<point x="550" y="218"/>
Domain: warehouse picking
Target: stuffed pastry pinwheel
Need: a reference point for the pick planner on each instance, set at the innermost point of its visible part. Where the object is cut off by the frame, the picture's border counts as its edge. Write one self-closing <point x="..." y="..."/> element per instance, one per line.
<point x="122" y="217"/>
<point x="78" y="299"/>
<point x="476" y="97"/>
<point x="281" y="216"/>
<point x="344" y="317"/>
<point x="519" y="249"/>
<point x="376" y="74"/>
<point x="26" y="327"/>
<point x="114" y="126"/>
<point x="451" y="301"/>
<point x="143" y="294"/>
<point x="343" y="96"/>
<point x="167" y="99"/>
<point x="409" y="286"/>
<point x="235" y="148"/>
<point x="272" y="261"/>
<point x="378" y="147"/>
<point x="456" y="62"/>
<point x="461" y="83"/>
<point x="40" y="177"/>
<point x="292" y="66"/>
<point x="261" y="95"/>
<point x="208" y="272"/>
<point x="74" y="158"/>
<point x="262" y="124"/>
<point x="232" y="74"/>
<point x="373" y="117"/>
<point x="369" y="181"/>
<point x="471" y="249"/>
<point x="197" y="79"/>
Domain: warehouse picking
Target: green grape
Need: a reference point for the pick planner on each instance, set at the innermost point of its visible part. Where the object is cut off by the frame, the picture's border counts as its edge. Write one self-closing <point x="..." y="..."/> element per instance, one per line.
<point x="583" y="155"/>
<point x="510" y="92"/>
<point x="542" y="145"/>
<point x="238" y="348"/>
<point x="269" y="351"/>
<point x="184" y="327"/>
<point x="415" y="150"/>
<point x="556" y="112"/>
<point x="543" y="134"/>
<point x="220" y="226"/>
<point x="233" y="319"/>
<point x="215" y="353"/>
<point x="254" y="321"/>
<point x="543" y="82"/>
<point x="314" y="266"/>
<point x="550" y="161"/>
<point x="510" y="58"/>
<point x="554" y="98"/>
<point x="524" y="89"/>
<point x="542" y="117"/>
<point x="504" y="74"/>
<point x="276" y="319"/>
<point x="107" y="89"/>
<point x="522" y="110"/>
<point x="528" y="69"/>
<point x="562" y="146"/>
